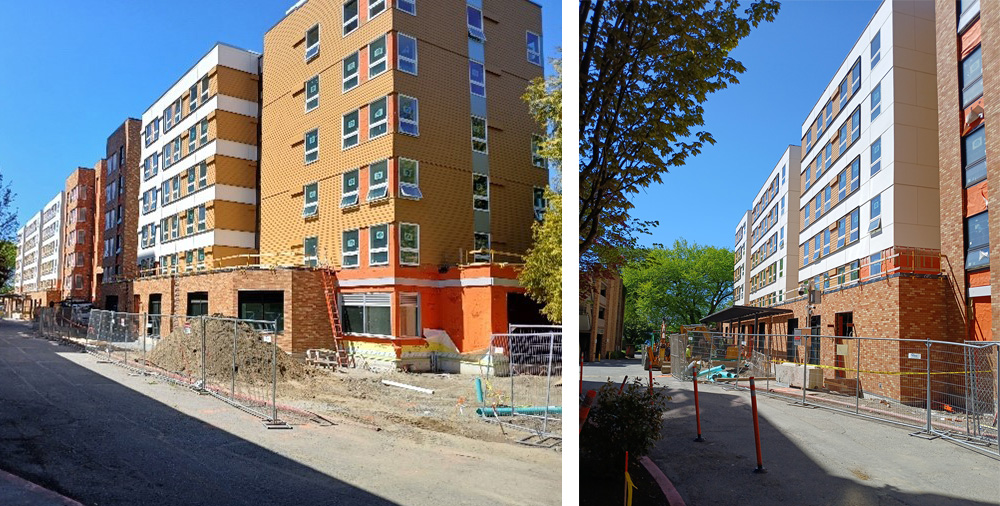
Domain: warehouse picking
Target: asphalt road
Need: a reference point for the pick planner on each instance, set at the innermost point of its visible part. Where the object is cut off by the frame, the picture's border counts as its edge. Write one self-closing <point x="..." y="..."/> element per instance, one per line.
<point x="95" y="434"/>
<point x="812" y="456"/>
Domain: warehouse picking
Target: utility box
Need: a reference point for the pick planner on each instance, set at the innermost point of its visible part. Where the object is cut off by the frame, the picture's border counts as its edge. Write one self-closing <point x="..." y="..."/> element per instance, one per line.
<point x="791" y="374"/>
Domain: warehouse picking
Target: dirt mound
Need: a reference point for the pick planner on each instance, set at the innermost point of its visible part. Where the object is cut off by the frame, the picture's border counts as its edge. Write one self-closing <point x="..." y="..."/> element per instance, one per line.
<point x="180" y="352"/>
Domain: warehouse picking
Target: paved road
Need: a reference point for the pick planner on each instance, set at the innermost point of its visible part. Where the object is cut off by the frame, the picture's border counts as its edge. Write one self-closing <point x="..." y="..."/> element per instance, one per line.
<point x="94" y="434"/>
<point x="812" y="456"/>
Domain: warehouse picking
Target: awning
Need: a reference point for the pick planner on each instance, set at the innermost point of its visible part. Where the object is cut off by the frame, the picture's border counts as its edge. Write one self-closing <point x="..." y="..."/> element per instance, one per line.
<point x="739" y="313"/>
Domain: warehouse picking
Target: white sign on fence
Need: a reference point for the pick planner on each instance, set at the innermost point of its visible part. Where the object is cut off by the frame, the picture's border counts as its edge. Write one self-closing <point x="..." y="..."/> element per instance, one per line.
<point x="915" y="356"/>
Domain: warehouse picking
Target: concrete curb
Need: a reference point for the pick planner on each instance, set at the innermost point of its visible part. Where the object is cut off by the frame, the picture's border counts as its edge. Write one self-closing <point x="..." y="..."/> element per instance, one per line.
<point x="21" y="491"/>
<point x="673" y="497"/>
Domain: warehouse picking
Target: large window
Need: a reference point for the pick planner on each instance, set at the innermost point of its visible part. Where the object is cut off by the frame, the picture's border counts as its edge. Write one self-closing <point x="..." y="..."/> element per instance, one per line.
<point x="855" y="174"/>
<point x="974" y="156"/>
<point x="193" y="98"/>
<point x="407" y="6"/>
<point x="409" y="178"/>
<point x="190" y="180"/>
<point x="351" y="71"/>
<point x="378" y="180"/>
<point x="479" y="134"/>
<point x="197" y="301"/>
<point x="312" y="42"/>
<point x="202" y="174"/>
<point x="538" y="202"/>
<point x="350" y="248"/>
<point x="977" y="241"/>
<point x="378" y="245"/>
<point x="263" y="305"/>
<point x="406" y="53"/>
<point x="875" y="209"/>
<point x="972" y="77"/>
<point x="350" y="16"/>
<point x="375" y="7"/>
<point x="350" y="130"/>
<point x="480" y="192"/>
<point x="409" y="244"/>
<point x="876" y="48"/>
<point x="376" y="57"/>
<point x="477" y="78"/>
<point x="481" y="242"/>
<point x="855" y="125"/>
<point x="876" y="100"/>
<point x="350" y="193"/>
<point x="310" y="200"/>
<point x="408" y="115"/>
<point x="474" y="19"/>
<point x="536" y="151"/>
<point x="312" y="93"/>
<point x="377" y="118"/>
<point x="367" y="313"/>
<point x="310" y="246"/>
<point x="312" y="146"/>
<point x="534" y="48"/>
<point x="203" y="125"/>
<point x="192" y="138"/>
<point x="855" y="225"/>
<point x="876" y="156"/>
<point x="855" y="78"/>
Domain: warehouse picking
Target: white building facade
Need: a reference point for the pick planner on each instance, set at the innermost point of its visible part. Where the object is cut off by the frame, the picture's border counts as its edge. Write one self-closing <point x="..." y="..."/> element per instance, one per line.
<point x="741" y="266"/>
<point x="26" y="266"/>
<point x="773" y="233"/>
<point x="50" y="244"/>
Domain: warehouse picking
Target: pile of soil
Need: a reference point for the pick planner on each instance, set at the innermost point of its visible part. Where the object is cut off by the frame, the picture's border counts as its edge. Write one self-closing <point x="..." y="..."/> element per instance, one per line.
<point x="180" y="351"/>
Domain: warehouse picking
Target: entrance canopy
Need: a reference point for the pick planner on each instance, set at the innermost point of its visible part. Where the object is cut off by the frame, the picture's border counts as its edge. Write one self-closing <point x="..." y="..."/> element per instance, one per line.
<point x="740" y="313"/>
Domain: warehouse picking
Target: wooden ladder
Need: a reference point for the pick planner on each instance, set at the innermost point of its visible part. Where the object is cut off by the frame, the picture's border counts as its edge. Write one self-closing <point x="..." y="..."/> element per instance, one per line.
<point x="333" y="311"/>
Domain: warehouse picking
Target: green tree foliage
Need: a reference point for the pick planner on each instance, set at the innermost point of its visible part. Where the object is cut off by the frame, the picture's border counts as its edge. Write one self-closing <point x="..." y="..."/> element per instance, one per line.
<point x="542" y="273"/>
<point x="679" y="285"/>
<point x="8" y="227"/>
<point x="8" y="258"/>
<point x="629" y="420"/>
<point x="646" y="67"/>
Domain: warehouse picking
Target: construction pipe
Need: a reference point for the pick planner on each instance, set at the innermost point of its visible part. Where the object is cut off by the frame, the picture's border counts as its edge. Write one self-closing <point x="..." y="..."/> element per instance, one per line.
<point x="521" y="410"/>
<point x="715" y="369"/>
<point x="408" y="387"/>
<point x="479" y="391"/>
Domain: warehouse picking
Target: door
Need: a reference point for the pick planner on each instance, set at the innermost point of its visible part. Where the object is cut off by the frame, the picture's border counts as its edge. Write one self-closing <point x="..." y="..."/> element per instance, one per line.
<point x="155" y="305"/>
<point x="844" y="326"/>
<point x="793" y="325"/>
<point x="814" y="342"/>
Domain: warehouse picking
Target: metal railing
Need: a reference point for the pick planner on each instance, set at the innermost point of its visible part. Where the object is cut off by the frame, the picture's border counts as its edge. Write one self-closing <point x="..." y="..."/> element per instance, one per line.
<point x="941" y="388"/>
<point x="521" y="387"/>
<point x="235" y="360"/>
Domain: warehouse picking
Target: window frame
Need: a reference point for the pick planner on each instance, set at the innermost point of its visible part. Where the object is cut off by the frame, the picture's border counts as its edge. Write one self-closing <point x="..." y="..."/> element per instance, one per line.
<point x="413" y="3"/>
<point x="484" y="140"/>
<point x="402" y="62"/>
<point x="310" y="209"/>
<point x="477" y="198"/>
<point x="193" y="98"/>
<point x="356" y="252"/>
<point x="375" y="62"/>
<point x="875" y="163"/>
<point x="875" y="48"/>
<point x="979" y="247"/>
<point x="875" y="106"/>
<point x="314" y="99"/>
<point x="473" y="83"/>
<point x="355" y="135"/>
<point x="313" y="259"/>
<point x="205" y="85"/>
<point x="202" y="174"/>
<point x="973" y="164"/>
<point x="403" y="250"/>
<point x="353" y="22"/>
<point x="354" y="193"/>
<point x="354" y="76"/>
<point x="306" y="151"/>
<point x="404" y="186"/>
<point x="372" y="250"/>
<point x="537" y="54"/>
<point x="409" y="126"/>
<point x="202" y="217"/>
<point x="382" y="187"/>
<point x="977" y="82"/>
<point x="875" y="220"/>
<point x="477" y="33"/>
<point x="382" y="123"/>
<point x="372" y="4"/>
<point x="312" y="51"/>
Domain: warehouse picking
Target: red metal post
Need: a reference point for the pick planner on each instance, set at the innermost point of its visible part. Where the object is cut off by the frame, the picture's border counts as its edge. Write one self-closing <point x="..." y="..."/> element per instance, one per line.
<point x="650" y="379"/>
<point x="756" y="427"/>
<point x="588" y="401"/>
<point x="621" y="388"/>
<point x="581" y="372"/>
<point x="697" y="413"/>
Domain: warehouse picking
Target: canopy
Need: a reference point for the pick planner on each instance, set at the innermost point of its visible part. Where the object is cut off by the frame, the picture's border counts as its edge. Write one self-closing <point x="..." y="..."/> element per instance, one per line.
<point x="739" y="313"/>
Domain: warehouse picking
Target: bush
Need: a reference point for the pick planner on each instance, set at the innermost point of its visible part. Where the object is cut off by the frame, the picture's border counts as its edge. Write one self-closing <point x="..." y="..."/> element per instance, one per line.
<point x="619" y="422"/>
<point x="617" y="355"/>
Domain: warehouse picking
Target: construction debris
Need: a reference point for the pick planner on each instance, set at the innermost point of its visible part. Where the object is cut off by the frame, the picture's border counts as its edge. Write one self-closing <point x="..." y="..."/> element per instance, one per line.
<point x="410" y="387"/>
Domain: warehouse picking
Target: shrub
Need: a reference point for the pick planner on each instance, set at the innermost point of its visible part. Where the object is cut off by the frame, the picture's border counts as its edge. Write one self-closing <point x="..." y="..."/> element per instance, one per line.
<point x="619" y="422"/>
<point x="617" y="355"/>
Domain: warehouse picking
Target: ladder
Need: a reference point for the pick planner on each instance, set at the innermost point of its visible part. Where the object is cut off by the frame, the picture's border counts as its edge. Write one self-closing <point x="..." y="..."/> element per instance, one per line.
<point x="333" y="310"/>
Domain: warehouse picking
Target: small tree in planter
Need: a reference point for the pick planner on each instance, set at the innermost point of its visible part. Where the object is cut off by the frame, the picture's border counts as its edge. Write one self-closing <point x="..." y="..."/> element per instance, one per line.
<point x="629" y="420"/>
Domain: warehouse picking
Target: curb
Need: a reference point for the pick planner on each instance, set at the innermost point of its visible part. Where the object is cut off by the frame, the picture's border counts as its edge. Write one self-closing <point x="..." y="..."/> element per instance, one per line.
<point x="673" y="497"/>
<point x="30" y="489"/>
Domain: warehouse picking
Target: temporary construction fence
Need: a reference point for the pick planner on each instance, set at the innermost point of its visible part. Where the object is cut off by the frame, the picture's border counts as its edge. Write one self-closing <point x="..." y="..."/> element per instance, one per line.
<point x="235" y="360"/>
<point x="522" y="387"/>
<point x="942" y="389"/>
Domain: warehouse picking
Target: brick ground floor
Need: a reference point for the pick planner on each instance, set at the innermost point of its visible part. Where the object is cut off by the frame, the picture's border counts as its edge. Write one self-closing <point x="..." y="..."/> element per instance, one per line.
<point x="439" y="320"/>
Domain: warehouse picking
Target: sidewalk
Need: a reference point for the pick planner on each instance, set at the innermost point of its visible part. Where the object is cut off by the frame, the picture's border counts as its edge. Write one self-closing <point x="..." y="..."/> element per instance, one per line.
<point x="16" y="491"/>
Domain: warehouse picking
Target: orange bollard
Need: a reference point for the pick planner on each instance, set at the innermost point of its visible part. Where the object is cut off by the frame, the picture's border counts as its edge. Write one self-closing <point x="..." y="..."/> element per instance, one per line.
<point x="621" y="388"/>
<point x="756" y="428"/>
<point x="650" y="380"/>
<point x="581" y="372"/>
<point x="697" y="413"/>
<point x="588" y="401"/>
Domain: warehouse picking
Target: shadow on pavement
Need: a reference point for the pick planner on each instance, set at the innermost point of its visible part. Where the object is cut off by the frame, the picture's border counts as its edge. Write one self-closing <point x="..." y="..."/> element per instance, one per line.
<point x="85" y="436"/>
<point x="720" y="470"/>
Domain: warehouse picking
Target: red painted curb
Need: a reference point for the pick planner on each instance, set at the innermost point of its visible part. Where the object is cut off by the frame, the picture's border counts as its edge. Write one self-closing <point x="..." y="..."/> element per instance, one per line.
<point x="673" y="497"/>
<point x="36" y="490"/>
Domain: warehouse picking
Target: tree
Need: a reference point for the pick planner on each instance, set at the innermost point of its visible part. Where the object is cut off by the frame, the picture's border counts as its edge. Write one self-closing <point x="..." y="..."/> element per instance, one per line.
<point x="542" y="273"/>
<point x="677" y="285"/>
<point x="646" y="67"/>
<point x="8" y="259"/>
<point x="8" y="227"/>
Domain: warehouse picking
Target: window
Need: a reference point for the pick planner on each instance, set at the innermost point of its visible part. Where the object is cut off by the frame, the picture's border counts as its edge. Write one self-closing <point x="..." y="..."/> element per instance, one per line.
<point x="197" y="301"/>
<point x="826" y="242"/>
<point x="819" y="124"/>
<point x="203" y="138"/>
<point x="203" y="175"/>
<point x="876" y="156"/>
<point x="309" y="249"/>
<point x="855" y="174"/>
<point x="164" y="232"/>
<point x="536" y="151"/>
<point x="828" y="157"/>
<point x="409" y="179"/>
<point x="177" y="149"/>
<point x="312" y="42"/>
<point x="376" y="57"/>
<point x="174" y="227"/>
<point x="350" y="135"/>
<point x="312" y="93"/>
<point x="168" y="118"/>
<point x="406" y="53"/>
<point x="855" y="78"/>
<point x="479" y="134"/>
<point x="816" y="248"/>
<point x="819" y="207"/>
<point x="808" y="177"/>
<point x="350" y="16"/>
<point x="781" y="238"/>
<point x="378" y="180"/>
<point x="842" y="186"/>
<point x="310" y="200"/>
<point x="312" y="146"/>
<point x="409" y="244"/>
<point x="807" y="214"/>
<point x="843" y="138"/>
<point x="190" y="221"/>
<point x="974" y="156"/>
<point x="876" y="101"/>
<point x="875" y="209"/>
<point x="477" y="78"/>
<point x="876" y="48"/>
<point x="367" y="313"/>
<point x="165" y="193"/>
<point x="856" y="125"/>
<point x="350" y="248"/>
<point x="972" y="77"/>
<point x="539" y="203"/>
<point x="192" y="138"/>
<point x="350" y="71"/>
<point x="534" y="48"/>
<point x="474" y="19"/>
<point x="855" y="225"/>
<point x="876" y="264"/>
<point x="841" y="238"/>
<point x="378" y="245"/>
<point x="189" y="260"/>
<point x="809" y="140"/>
<point x="844" y="93"/>
<point x="977" y="246"/>
<point x="201" y="218"/>
<point x="375" y="7"/>
<point x="829" y="113"/>
<point x="204" y="89"/>
<point x="168" y="149"/>
<point x="783" y="176"/>
<point x="201" y="258"/>
<point x="408" y="115"/>
<point x="177" y="120"/>
<point x="782" y="205"/>
<point x="377" y="118"/>
<point x="193" y="98"/>
<point x="805" y="253"/>
<point x="350" y="194"/>
<point x="480" y="192"/>
<point x="407" y="6"/>
<point x="482" y="243"/>
<point x="826" y="198"/>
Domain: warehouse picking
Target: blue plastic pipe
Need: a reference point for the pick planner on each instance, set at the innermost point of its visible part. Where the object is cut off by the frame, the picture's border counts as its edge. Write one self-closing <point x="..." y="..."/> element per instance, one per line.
<point x="479" y="391"/>
<point x="521" y="410"/>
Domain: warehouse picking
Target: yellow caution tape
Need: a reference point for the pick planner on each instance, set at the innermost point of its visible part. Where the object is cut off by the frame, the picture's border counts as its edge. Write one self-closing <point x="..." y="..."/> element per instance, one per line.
<point x="628" y="489"/>
<point x="889" y="373"/>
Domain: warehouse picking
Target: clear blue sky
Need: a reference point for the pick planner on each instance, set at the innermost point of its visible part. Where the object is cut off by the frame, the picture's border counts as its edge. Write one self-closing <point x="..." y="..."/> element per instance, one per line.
<point x="789" y="63"/>
<point x="62" y="92"/>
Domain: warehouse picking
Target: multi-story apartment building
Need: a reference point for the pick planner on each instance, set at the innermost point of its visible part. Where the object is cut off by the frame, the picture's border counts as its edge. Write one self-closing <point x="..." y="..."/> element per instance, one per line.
<point x="968" y="41"/>
<point x="602" y="318"/>
<point x="197" y="201"/>
<point x="375" y="116"/>
<point x="78" y="236"/>
<point x="50" y="245"/>
<point x="38" y="265"/>
<point x="26" y="265"/>
<point x="97" y="241"/>
<point x="118" y="216"/>
<point x="772" y="252"/>
<point x="741" y="263"/>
